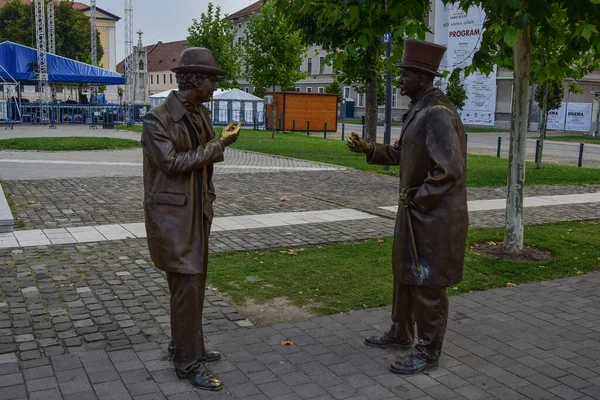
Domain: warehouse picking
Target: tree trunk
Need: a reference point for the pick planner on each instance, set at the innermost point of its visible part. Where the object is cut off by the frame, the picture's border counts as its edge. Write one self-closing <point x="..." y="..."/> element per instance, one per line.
<point x="513" y="234"/>
<point x="274" y="114"/>
<point x="544" y="124"/>
<point x="371" y="100"/>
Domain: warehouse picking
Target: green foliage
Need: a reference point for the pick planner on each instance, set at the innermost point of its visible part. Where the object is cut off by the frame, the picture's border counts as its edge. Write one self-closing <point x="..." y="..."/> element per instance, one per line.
<point x="335" y="88"/>
<point x="72" y="29"/>
<point x="554" y="100"/>
<point x="273" y="53"/>
<point x="70" y="143"/>
<point x="215" y="33"/>
<point x="565" y="42"/>
<point x="259" y="92"/>
<point x="455" y="91"/>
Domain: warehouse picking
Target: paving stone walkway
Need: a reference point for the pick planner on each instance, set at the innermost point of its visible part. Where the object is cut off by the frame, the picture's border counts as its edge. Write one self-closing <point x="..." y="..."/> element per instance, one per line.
<point x="539" y="341"/>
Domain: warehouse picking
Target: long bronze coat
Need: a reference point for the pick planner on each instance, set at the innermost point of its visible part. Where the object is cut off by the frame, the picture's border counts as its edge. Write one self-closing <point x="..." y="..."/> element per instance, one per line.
<point x="433" y="196"/>
<point x="178" y="189"/>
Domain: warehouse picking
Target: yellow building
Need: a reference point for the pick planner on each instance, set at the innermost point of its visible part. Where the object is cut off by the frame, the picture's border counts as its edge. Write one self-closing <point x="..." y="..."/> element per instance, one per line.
<point x="107" y="26"/>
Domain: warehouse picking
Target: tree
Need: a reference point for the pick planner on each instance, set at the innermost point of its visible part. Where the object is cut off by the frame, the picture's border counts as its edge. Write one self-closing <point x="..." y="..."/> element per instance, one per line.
<point x="455" y="90"/>
<point x="351" y="32"/>
<point x="549" y="97"/>
<point x="514" y="38"/>
<point x="72" y="28"/>
<point x="215" y="33"/>
<point x="334" y="88"/>
<point x="273" y="52"/>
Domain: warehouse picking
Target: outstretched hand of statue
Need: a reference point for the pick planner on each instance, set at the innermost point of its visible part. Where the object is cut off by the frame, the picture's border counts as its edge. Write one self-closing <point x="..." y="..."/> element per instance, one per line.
<point x="230" y="133"/>
<point x="357" y="144"/>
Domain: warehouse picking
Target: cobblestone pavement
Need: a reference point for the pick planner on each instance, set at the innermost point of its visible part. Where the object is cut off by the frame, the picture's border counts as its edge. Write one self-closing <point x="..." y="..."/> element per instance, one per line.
<point x="64" y="203"/>
<point x="104" y="337"/>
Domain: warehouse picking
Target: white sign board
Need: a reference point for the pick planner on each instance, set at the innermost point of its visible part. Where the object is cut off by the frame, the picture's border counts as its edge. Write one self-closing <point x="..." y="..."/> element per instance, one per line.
<point x="579" y="117"/>
<point x="461" y="33"/>
<point x="556" y="118"/>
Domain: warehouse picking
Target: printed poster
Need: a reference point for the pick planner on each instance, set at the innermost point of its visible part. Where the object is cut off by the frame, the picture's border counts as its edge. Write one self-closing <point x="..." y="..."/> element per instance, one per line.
<point x="579" y="117"/>
<point x="461" y="33"/>
<point x="556" y="118"/>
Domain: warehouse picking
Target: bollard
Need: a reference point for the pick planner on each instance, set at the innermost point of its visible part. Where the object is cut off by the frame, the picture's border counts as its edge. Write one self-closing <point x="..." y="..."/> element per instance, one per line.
<point x="266" y="123"/>
<point x="325" y="131"/>
<point x="466" y="138"/>
<point x="537" y="150"/>
<point x="580" y="162"/>
<point x="293" y="125"/>
<point x="307" y="128"/>
<point x="343" y="129"/>
<point x="499" y="146"/>
<point x="363" y="131"/>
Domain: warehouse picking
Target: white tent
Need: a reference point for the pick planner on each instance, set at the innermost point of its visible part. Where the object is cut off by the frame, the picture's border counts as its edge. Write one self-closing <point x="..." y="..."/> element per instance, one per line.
<point x="237" y="105"/>
<point x="158" y="98"/>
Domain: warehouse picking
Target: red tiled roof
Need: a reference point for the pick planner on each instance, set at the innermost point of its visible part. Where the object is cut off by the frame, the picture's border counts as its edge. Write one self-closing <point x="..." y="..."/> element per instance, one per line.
<point x="76" y="5"/>
<point x="161" y="56"/>
<point x="244" y="12"/>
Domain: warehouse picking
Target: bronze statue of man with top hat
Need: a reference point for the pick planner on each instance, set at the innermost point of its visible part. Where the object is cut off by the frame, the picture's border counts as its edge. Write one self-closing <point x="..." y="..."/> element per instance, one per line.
<point x="432" y="220"/>
<point x="180" y="148"/>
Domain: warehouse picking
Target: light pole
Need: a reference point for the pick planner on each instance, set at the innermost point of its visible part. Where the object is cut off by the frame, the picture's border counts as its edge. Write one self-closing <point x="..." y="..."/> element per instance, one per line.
<point x="387" y="133"/>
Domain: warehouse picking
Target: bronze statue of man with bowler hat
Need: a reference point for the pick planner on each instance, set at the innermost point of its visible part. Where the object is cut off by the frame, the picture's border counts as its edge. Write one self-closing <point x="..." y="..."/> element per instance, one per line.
<point x="180" y="148"/>
<point x="432" y="220"/>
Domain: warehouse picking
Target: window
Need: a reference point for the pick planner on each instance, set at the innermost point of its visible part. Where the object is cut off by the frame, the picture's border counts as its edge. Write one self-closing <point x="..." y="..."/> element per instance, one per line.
<point x="152" y="79"/>
<point x="361" y="100"/>
<point x="308" y="90"/>
<point x="394" y="97"/>
<point x="321" y="90"/>
<point x="141" y="66"/>
<point x="171" y="79"/>
<point x="321" y="65"/>
<point x="239" y="39"/>
<point x="297" y="89"/>
<point x="309" y="68"/>
<point x="157" y="79"/>
<point x="247" y="89"/>
<point x="346" y="92"/>
<point x="240" y="26"/>
<point x="164" y="79"/>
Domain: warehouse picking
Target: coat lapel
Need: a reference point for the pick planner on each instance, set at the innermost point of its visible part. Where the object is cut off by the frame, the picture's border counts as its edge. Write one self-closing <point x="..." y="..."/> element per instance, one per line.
<point x="415" y="109"/>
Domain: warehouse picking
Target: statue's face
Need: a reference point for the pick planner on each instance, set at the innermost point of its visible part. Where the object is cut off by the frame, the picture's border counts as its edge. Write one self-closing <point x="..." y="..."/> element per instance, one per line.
<point x="204" y="91"/>
<point x="410" y="82"/>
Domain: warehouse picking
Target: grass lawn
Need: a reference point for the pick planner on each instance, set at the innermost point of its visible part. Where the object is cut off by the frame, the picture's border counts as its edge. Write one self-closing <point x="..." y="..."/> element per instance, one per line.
<point x="576" y="139"/>
<point x="482" y="170"/>
<point x="478" y="129"/>
<point x="134" y="128"/>
<point x="67" y="143"/>
<point x="350" y="276"/>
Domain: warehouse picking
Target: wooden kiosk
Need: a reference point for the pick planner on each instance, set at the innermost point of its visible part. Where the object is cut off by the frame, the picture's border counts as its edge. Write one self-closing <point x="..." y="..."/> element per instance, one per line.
<point x="296" y="111"/>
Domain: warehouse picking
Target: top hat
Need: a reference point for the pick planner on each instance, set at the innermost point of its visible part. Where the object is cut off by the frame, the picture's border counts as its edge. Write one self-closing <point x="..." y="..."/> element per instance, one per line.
<point x="200" y="61"/>
<point x="422" y="56"/>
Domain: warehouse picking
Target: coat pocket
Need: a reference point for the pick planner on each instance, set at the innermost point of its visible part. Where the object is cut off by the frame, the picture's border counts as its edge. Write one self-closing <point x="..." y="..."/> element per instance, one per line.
<point x="173" y="199"/>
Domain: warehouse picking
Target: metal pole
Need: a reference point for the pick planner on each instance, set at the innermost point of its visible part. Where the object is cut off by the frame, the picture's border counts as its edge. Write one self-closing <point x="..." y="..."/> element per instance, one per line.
<point x="466" y="138"/>
<point x="499" y="146"/>
<point x="343" y="130"/>
<point x="307" y="128"/>
<point x="293" y="125"/>
<point x="363" y="131"/>
<point x="580" y="162"/>
<point x="325" y="131"/>
<point x="537" y="150"/>
<point x="387" y="133"/>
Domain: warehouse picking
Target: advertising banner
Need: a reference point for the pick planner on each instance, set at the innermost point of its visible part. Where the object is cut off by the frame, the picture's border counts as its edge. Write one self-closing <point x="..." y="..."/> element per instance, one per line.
<point x="556" y="118"/>
<point x="579" y="117"/>
<point x="461" y="33"/>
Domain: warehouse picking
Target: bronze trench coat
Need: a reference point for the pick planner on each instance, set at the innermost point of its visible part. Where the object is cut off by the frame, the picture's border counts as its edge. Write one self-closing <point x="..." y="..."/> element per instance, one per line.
<point x="432" y="160"/>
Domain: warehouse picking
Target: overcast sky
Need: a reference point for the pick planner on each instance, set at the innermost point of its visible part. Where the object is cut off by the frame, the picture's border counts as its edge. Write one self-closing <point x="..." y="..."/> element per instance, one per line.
<point x="163" y="20"/>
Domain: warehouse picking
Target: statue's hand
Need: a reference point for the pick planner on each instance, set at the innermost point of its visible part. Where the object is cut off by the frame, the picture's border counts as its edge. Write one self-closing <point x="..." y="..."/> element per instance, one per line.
<point x="357" y="144"/>
<point x="230" y="133"/>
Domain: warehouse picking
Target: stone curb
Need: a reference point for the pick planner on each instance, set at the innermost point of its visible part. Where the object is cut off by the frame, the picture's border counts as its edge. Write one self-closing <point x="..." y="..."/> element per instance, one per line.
<point x="6" y="218"/>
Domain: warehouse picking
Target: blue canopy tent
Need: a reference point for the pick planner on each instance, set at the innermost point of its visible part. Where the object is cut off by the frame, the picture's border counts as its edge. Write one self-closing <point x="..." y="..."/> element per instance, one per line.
<point x="18" y="62"/>
<point x="18" y="65"/>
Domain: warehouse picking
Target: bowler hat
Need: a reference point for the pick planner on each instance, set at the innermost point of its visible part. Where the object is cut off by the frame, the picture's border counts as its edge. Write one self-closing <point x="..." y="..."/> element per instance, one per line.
<point x="422" y="56"/>
<point x="198" y="60"/>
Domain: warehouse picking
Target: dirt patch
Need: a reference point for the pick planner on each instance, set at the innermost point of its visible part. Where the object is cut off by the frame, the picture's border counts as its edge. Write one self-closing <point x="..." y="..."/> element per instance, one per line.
<point x="496" y="250"/>
<point x="273" y="311"/>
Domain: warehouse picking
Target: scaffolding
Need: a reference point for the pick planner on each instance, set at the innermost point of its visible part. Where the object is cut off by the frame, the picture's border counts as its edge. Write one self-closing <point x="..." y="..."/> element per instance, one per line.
<point x="94" y="49"/>
<point x="42" y="59"/>
<point x="129" y="60"/>
<point x="51" y="29"/>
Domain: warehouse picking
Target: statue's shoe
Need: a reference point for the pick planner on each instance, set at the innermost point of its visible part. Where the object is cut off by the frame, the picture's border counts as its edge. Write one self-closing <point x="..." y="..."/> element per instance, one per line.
<point x="386" y="341"/>
<point x="413" y="364"/>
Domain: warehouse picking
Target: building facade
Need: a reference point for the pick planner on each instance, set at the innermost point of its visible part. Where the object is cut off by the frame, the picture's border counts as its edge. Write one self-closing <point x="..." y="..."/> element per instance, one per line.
<point x="320" y="76"/>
